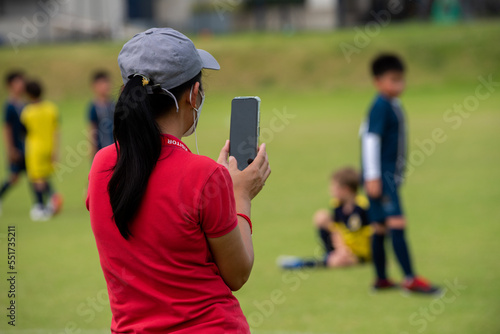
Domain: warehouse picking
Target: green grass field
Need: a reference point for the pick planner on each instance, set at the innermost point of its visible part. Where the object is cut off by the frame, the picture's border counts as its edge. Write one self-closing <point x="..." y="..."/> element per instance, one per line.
<point x="313" y="102"/>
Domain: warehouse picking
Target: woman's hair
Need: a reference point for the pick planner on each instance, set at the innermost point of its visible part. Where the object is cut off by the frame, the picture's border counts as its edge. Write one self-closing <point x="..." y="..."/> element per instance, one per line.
<point x="138" y="143"/>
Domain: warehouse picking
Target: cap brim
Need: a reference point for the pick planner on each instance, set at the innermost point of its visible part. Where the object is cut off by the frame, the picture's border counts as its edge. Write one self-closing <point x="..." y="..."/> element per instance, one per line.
<point x="208" y="61"/>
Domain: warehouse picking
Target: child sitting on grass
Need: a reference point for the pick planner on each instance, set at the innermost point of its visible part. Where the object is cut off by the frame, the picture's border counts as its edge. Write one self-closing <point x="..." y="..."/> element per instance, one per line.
<point x="345" y="232"/>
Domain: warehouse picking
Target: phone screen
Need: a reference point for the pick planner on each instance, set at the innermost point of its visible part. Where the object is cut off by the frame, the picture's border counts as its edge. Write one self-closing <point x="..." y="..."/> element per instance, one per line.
<point x="244" y="133"/>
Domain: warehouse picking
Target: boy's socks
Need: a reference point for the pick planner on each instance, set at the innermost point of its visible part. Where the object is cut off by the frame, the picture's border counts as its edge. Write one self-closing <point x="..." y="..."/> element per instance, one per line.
<point x="312" y="263"/>
<point x="39" y="197"/>
<point x="401" y="249"/>
<point x="378" y="251"/>
<point x="4" y="188"/>
<point x="47" y="191"/>
<point x="326" y="239"/>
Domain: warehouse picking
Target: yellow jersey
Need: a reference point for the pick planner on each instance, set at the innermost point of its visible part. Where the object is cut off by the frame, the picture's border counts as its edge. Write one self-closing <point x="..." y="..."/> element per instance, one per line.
<point x="354" y="227"/>
<point x="41" y="120"/>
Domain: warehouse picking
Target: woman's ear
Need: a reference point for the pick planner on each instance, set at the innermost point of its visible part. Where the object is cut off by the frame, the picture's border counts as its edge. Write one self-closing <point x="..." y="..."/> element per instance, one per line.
<point x="194" y="94"/>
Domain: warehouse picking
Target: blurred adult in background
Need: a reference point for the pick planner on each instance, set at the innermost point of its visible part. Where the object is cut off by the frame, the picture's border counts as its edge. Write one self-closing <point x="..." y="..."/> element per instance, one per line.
<point x="100" y="112"/>
<point x="13" y="130"/>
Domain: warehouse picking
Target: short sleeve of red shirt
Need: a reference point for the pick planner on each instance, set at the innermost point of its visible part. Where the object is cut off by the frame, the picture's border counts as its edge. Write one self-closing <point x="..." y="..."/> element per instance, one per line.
<point x="217" y="204"/>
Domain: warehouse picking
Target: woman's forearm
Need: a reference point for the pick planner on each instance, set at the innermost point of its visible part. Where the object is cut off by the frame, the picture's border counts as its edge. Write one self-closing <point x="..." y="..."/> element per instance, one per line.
<point x="243" y="205"/>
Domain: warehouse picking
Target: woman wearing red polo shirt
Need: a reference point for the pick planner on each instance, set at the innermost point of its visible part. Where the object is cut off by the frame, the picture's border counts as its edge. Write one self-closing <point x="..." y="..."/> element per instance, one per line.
<point x="172" y="228"/>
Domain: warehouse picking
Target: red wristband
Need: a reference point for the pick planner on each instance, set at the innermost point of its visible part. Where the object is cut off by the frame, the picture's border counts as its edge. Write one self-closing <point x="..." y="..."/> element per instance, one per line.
<point x="247" y="219"/>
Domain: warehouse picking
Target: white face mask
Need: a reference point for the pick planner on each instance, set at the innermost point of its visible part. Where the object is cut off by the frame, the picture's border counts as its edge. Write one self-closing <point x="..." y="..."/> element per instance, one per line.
<point x="196" y="117"/>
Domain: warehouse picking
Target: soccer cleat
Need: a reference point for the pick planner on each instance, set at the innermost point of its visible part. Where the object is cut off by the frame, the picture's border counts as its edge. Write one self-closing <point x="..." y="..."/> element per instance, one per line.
<point x="38" y="213"/>
<point x="383" y="284"/>
<point x="295" y="262"/>
<point x="289" y="262"/>
<point x="420" y="285"/>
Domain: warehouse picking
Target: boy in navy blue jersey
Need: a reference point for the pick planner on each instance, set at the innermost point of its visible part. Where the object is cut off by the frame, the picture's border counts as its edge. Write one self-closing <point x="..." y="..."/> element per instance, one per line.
<point x="383" y="137"/>
<point x="101" y="111"/>
<point x="13" y="130"/>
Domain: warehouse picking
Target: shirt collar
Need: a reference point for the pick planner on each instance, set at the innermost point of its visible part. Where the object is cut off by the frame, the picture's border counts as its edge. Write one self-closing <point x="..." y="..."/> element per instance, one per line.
<point x="169" y="140"/>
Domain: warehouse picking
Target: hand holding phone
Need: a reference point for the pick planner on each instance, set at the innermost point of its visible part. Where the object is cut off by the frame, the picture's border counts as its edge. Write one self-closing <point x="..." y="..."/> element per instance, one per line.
<point x="250" y="181"/>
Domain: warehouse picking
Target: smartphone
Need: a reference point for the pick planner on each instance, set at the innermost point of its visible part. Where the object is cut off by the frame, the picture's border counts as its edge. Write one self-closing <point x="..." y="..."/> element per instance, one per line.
<point x="245" y="128"/>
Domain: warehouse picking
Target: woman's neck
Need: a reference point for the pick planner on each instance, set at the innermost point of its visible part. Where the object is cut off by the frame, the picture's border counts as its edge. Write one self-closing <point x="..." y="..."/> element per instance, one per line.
<point x="171" y="125"/>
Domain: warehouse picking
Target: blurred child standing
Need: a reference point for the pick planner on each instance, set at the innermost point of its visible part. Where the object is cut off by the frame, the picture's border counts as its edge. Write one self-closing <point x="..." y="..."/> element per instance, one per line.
<point x="383" y="139"/>
<point x="101" y="110"/>
<point x="13" y="131"/>
<point x="41" y="120"/>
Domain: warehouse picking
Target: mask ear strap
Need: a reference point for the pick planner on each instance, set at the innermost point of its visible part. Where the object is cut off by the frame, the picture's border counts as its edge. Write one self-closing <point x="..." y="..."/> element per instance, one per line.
<point x="195" y="134"/>
<point x="190" y="97"/>
<point x="172" y="96"/>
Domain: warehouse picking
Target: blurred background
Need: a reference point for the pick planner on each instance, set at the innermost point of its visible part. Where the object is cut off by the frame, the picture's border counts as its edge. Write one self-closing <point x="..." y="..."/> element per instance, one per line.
<point x="66" y="20"/>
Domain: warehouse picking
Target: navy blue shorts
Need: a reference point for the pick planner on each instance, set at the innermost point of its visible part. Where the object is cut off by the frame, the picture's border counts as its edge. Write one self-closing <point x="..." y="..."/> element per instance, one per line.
<point x="18" y="167"/>
<point x="387" y="205"/>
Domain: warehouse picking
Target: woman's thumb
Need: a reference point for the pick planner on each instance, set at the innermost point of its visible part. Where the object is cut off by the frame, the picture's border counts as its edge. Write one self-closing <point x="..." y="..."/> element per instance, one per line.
<point x="233" y="164"/>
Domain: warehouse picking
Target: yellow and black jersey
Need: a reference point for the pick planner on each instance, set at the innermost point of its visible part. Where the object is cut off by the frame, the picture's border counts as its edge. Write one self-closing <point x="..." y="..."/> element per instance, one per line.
<point x="354" y="227"/>
<point x="41" y="121"/>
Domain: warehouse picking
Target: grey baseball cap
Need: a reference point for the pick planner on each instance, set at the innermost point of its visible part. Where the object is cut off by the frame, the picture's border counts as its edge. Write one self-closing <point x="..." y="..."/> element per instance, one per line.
<point x="165" y="56"/>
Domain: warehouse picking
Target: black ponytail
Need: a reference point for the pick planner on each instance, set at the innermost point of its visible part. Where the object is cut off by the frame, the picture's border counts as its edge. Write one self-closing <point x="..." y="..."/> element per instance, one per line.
<point x="138" y="143"/>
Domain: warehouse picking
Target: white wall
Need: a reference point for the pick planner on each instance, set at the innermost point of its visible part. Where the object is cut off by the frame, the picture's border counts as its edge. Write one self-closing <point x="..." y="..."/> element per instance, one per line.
<point x="173" y="13"/>
<point x="321" y="14"/>
<point x="30" y="21"/>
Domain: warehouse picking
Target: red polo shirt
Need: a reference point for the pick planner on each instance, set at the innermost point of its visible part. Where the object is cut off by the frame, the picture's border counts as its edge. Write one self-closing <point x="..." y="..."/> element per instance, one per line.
<point x="164" y="279"/>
